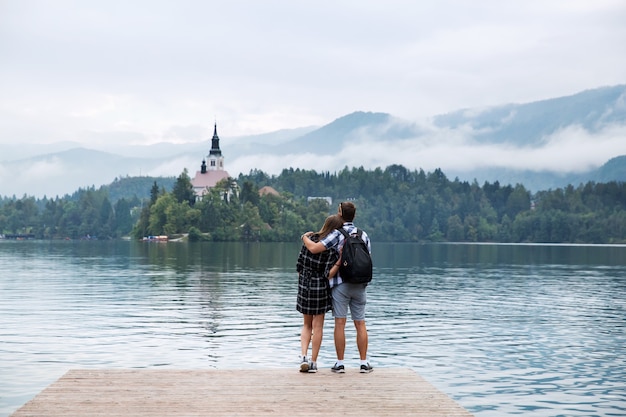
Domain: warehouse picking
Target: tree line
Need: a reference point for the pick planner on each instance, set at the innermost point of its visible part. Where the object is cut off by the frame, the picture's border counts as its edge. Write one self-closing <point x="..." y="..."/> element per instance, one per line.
<point x="394" y="204"/>
<point x="87" y="215"/>
<point x="108" y="212"/>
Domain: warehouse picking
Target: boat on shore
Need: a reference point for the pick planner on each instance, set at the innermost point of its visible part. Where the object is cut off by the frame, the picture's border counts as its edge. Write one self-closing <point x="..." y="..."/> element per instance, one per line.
<point x="161" y="238"/>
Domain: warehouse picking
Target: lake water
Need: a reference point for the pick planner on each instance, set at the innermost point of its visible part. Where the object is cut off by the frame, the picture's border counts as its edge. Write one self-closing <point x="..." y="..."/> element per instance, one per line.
<point x="528" y="330"/>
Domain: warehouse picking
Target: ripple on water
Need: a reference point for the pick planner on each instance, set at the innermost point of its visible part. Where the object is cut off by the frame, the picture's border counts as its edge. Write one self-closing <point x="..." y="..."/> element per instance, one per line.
<point x="502" y="339"/>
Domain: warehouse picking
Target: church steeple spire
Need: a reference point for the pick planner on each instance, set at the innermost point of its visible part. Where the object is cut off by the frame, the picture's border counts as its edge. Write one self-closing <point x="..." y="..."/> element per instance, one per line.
<point x="215" y="143"/>
<point x="215" y="158"/>
<point x="212" y="170"/>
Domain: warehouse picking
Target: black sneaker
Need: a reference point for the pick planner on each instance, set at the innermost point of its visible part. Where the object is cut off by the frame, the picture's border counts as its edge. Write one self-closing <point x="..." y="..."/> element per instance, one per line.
<point x="304" y="366"/>
<point x="312" y="367"/>
<point x="366" y="369"/>
<point x="338" y="369"/>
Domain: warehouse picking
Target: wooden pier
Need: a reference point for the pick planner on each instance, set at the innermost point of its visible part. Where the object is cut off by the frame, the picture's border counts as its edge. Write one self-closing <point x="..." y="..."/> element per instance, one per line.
<point x="279" y="393"/>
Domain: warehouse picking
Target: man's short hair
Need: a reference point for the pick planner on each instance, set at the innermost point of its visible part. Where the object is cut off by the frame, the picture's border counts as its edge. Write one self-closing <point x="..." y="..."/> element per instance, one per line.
<point x="348" y="210"/>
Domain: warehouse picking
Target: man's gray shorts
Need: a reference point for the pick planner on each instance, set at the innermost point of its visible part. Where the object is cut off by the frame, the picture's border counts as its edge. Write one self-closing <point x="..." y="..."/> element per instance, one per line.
<point x="353" y="295"/>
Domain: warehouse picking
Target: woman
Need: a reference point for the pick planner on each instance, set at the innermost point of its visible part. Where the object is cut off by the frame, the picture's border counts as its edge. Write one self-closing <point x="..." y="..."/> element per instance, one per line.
<point x="314" y="298"/>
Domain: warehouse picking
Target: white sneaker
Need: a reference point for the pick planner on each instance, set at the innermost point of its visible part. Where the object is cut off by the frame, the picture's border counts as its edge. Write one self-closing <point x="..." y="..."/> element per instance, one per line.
<point x="338" y="369"/>
<point x="366" y="368"/>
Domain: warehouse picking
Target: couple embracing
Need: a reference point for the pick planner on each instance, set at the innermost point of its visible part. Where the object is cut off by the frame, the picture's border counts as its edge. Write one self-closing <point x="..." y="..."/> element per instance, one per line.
<point x="320" y="289"/>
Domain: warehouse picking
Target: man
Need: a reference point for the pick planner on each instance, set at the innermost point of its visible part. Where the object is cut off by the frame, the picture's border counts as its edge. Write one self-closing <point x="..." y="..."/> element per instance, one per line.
<point x="345" y="294"/>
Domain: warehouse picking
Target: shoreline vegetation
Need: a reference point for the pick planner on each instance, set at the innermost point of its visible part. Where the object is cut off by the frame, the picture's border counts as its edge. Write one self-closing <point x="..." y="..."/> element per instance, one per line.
<point x="395" y="204"/>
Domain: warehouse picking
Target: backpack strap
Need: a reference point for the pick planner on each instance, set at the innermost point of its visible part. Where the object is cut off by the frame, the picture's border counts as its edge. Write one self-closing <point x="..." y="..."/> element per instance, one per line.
<point x="346" y="235"/>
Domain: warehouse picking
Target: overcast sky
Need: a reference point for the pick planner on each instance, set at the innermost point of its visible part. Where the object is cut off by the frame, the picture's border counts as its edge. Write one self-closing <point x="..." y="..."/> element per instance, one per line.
<point x="149" y="71"/>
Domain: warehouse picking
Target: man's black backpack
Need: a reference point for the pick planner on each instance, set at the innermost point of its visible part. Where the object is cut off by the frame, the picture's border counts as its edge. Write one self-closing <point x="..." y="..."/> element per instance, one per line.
<point x="356" y="262"/>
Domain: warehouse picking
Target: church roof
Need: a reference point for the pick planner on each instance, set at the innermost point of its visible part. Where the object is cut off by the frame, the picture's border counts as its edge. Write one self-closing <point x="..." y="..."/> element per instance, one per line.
<point x="208" y="179"/>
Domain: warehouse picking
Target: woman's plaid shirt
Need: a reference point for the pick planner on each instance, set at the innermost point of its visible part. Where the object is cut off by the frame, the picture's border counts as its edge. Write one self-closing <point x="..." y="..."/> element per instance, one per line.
<point x="318" y="264"/>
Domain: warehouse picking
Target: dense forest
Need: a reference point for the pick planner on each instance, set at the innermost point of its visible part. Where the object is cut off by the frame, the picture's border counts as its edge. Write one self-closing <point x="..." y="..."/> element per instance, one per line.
<point x="393" y="204"/>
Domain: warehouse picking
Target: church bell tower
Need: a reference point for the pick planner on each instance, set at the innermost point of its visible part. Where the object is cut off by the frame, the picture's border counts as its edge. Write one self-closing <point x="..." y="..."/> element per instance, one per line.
<point x="212" y="168"/>
<point x="214" y="158"/>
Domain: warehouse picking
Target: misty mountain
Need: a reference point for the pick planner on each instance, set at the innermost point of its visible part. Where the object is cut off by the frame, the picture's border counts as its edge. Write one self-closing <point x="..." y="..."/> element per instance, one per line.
<point x="544" y="144"/>
<point x="238" y="145"/>
<point x="329" y="139"/>
<point x="613" y="170"/>
<point x="22" y="151"/>
<point x="528" y="124"/>
<point x="520" y="124"/>
<point x="60" y="173"/>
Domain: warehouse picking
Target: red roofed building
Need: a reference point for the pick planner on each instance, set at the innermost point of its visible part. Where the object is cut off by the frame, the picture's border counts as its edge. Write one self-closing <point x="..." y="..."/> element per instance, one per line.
<point x="212" y="169"/>
<point x="268" y="190"/>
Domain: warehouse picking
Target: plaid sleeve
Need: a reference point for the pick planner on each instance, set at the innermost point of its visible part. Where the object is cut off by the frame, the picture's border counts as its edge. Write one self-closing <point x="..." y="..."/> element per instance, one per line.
<point x="333" y="239"/>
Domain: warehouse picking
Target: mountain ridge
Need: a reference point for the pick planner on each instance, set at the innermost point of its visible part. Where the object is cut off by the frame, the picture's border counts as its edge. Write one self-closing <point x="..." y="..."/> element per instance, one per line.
<point x="589" y="119"/>
<point x="587" y="108"/>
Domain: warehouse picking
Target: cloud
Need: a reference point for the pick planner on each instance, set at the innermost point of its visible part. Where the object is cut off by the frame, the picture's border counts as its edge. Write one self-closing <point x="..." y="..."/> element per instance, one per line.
<point x="574" y="149"/>
<point x="109" y="74"/>
<point x="570" y="150"/>
<point x="174" y="167"/>
<point x="150" y="67"/>
<point x="50" y="177"/>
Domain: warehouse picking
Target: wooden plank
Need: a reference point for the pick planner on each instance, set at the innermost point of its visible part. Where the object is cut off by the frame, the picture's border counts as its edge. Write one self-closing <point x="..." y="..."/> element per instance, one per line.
<point x="278" y="392"/>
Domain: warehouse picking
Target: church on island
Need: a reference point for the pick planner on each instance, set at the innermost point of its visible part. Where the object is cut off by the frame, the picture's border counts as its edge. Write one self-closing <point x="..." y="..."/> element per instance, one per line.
<point x="212" y="169"/>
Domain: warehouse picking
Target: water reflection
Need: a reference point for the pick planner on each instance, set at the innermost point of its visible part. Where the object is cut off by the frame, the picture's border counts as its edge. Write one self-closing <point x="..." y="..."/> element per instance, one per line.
<point x="503" y="329"/>
<point x="407" y="255"/>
